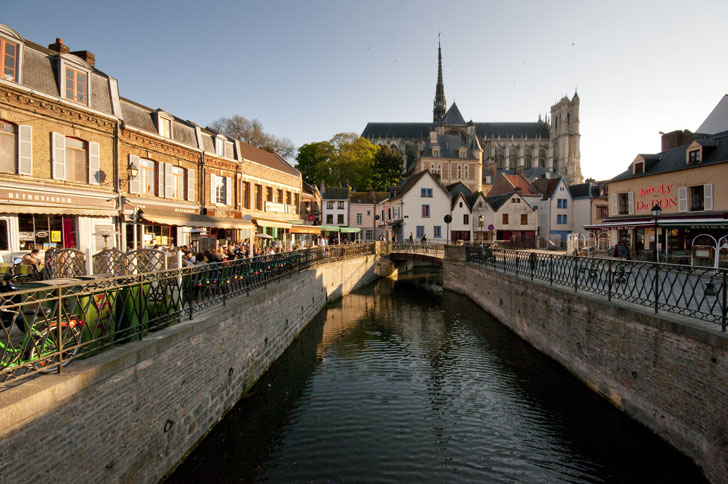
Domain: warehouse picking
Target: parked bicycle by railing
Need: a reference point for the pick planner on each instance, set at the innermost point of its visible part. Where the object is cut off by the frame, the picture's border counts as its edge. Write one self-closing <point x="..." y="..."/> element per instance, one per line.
<point x="30" y="336"/>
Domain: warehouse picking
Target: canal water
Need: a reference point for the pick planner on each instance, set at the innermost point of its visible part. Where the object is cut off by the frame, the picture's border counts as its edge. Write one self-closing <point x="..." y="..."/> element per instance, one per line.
<point x="398" y="382"/>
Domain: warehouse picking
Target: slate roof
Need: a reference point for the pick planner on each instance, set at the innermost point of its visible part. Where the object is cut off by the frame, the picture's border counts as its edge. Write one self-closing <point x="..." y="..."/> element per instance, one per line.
<point x="406" y="184"/>
<point x="368" y="197"/>
<point x="40" y="73"/>
<point x="674" y="159"/>
<point x="397" y="130"/>
<point x="452" y="116"/>
<point x="497" y="201"/>
<point x="473" y="197"/>
<point x="457" y="188"/>
<point x="143" y="118"/>
<point x="484" y="130"/>
<point x="265" y="158"/>
<point x="335" y="193"/>
<point x="546" y="186"/>
<point x="449" y="147"/>
<point x="584" y="190"/>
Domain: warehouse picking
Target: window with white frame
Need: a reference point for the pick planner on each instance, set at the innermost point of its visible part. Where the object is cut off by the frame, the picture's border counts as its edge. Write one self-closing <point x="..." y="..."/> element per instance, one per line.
<point x="425" y="192"/>
<point x="459" y="171"/>
<point x="219" y="146"/>
<point x="359" y="219"/>
<point x="466" y="172"/>
<point x="8" y="147"/>
<point x="76" y="160"/>
<point x="178" y="183"/>
<point x="329" y="205"/>
<point x="340" y="205"/>
<point x="437" y="231"/>
<point x="165" y="126"/>
<point x="146" y="177"/>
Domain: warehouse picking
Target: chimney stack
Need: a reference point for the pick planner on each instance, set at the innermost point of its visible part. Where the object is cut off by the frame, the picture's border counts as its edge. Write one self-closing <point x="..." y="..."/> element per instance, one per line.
<point x="59" y="46"/>
<point x="87" y="56"/>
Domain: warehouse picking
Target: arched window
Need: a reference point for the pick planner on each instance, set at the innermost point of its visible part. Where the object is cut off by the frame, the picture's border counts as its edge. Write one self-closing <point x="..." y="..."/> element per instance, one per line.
<point x="459" y="172"/>
<point x="8" y="146"/>
<point x="76" y="160"/>
<point x="466" y="172"/>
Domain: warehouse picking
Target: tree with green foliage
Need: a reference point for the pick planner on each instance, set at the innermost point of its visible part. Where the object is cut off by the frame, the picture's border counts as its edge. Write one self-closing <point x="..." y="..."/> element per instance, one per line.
<point x="346" y="159"/>
<point x="387" y="169"/>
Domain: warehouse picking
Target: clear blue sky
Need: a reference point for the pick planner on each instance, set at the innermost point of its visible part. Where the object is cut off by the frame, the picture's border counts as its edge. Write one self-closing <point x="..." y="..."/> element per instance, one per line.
<point x="310" y="69"/>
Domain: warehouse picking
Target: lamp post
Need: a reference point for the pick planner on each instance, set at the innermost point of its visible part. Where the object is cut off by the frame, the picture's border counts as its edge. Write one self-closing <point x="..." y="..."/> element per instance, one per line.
<point x="481" y="221"/>
<point x="656" y="212"/>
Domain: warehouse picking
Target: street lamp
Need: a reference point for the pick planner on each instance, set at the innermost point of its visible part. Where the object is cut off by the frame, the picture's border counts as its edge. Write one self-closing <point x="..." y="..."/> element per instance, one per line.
<point x="656" y="212"/>
<point x="481" y="221"/>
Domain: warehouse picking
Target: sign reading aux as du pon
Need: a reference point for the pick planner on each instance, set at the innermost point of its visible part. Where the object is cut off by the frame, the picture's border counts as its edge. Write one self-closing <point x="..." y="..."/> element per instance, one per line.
<point x="664" y="197"/>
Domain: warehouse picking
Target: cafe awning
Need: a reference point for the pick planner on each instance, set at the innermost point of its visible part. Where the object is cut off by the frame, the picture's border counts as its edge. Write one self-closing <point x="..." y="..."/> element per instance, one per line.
<point x="193" y="220"/>
<point x="330" y="228"/>
<point x="305" y="229"/>
<point x="276" y="224"/>
<point x="350" y="230"/>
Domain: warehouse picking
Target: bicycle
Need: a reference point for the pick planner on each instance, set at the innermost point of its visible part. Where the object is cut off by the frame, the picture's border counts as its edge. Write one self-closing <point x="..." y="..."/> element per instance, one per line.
<point x="39" y="348"/>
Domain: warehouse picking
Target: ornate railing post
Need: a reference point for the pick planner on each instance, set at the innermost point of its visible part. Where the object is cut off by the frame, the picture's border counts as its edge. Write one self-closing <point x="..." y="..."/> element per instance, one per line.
<point x="724" y="308"/>
<point x="609" y="280"/>
<point x="657" y="286"/>
<point x="576" y="272"/>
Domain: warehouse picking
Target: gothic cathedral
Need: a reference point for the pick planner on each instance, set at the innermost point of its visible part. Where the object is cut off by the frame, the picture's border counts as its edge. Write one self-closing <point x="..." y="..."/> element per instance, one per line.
<point x="473" y="153"/>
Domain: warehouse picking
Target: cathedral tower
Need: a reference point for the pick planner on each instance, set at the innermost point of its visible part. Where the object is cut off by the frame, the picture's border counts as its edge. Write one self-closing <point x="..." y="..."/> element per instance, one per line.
<point x="439" y="109"/>
<point x="564" y="134"/>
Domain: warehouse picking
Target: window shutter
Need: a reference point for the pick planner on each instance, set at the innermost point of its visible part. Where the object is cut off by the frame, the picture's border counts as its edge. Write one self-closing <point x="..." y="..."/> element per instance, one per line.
<point x="94" y="177"/>
<point x="160" y="178"/>
<point x="191" y="184"/>
<point x="228" y="191"/>
<point x="682" y="199"/>
<point x="135" y="182"/>
<point x="630" y="200"/>
<point x="25" y="150"/>
<point x="169" y="182"/>
<point x="58" y="152"/>
<point x="614" y="204"/>
<point x="708" y="197"/>
<point x="213" y="188"/>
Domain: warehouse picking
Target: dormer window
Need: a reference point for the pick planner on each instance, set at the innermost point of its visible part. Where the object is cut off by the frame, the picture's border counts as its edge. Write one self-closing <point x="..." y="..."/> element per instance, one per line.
<point x="435" y="152"/>
<point x="639" y="167"/>
<point x="164" y="124"/>
<point x="9" y="52"/>
<point x="219" y="147"/>
<point x="76" y="85"/>
<point x="462" y="154"/>
<point x="694" y="156"/>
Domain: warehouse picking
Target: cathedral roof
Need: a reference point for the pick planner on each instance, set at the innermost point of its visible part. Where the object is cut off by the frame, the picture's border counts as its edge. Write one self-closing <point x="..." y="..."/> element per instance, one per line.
<point x="515" y="130"/>
<point x="396" y="130"/>
<point x="449" y="146"/>
<point x="452" y="116"/>
<point x="421" y="131"/>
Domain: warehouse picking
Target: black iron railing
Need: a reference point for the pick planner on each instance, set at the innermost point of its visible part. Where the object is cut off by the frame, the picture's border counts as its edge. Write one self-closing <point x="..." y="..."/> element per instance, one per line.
<point x="43" y="328"/>
<point x="697" y="292"/>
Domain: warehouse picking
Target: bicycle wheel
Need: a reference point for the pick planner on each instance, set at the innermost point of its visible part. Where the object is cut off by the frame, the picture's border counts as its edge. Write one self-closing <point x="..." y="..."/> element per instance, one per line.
<point x="45" y="349"/>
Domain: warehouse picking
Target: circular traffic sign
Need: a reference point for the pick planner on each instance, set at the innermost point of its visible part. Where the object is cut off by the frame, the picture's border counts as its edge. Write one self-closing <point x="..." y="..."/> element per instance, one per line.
<point x="491" y="227"/>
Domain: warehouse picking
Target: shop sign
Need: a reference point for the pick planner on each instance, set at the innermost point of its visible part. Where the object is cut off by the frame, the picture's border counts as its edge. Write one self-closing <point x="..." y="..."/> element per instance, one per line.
<point x="132" y="205"/>
<point x="42" y="234"/>
<point x="275" y="207"/>
<point x="224" y="213"/>
<point x="664" y="202"/>
<point x="36" y="196"/>
<point x="26" y="236"/>
<point x="55" y="235"/>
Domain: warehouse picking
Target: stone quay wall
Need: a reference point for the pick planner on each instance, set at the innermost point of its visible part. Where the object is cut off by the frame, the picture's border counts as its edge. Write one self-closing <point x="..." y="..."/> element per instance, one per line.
<point x="133" y="413"/>
<point x="667" y="373"/>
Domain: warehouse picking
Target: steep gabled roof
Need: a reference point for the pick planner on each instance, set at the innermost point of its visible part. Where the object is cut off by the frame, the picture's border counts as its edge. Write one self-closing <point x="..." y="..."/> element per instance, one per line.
<point x="396" y="130"/>
<point x="546" y="186"/>
<point x="457" y="188"/>
<point x="458" y="196"/>
<point x="368" y="197"/>
<point x="408" y="183"/>
<point x="271" y="160"/>
<point x="519" y="182"/>
<point x="335" y="193"/>
<point x="496" y="202"/>
<point x="452" y="116"/>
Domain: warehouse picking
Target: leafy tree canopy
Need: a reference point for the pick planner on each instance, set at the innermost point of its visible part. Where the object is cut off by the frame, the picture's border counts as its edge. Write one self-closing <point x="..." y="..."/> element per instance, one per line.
<point x="251" y="132"/>
<point x="349" y="160"/>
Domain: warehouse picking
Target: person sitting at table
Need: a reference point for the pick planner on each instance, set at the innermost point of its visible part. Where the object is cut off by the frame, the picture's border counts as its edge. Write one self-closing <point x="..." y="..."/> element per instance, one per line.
<point x="31" y="259"/>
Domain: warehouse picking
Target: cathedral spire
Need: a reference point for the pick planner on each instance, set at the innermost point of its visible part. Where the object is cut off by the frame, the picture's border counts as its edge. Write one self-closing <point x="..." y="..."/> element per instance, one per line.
<point x="439" y="109"/>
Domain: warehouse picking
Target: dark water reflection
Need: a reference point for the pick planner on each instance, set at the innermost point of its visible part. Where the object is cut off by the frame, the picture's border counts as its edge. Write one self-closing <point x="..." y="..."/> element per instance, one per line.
<point x="399" y="384"/>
